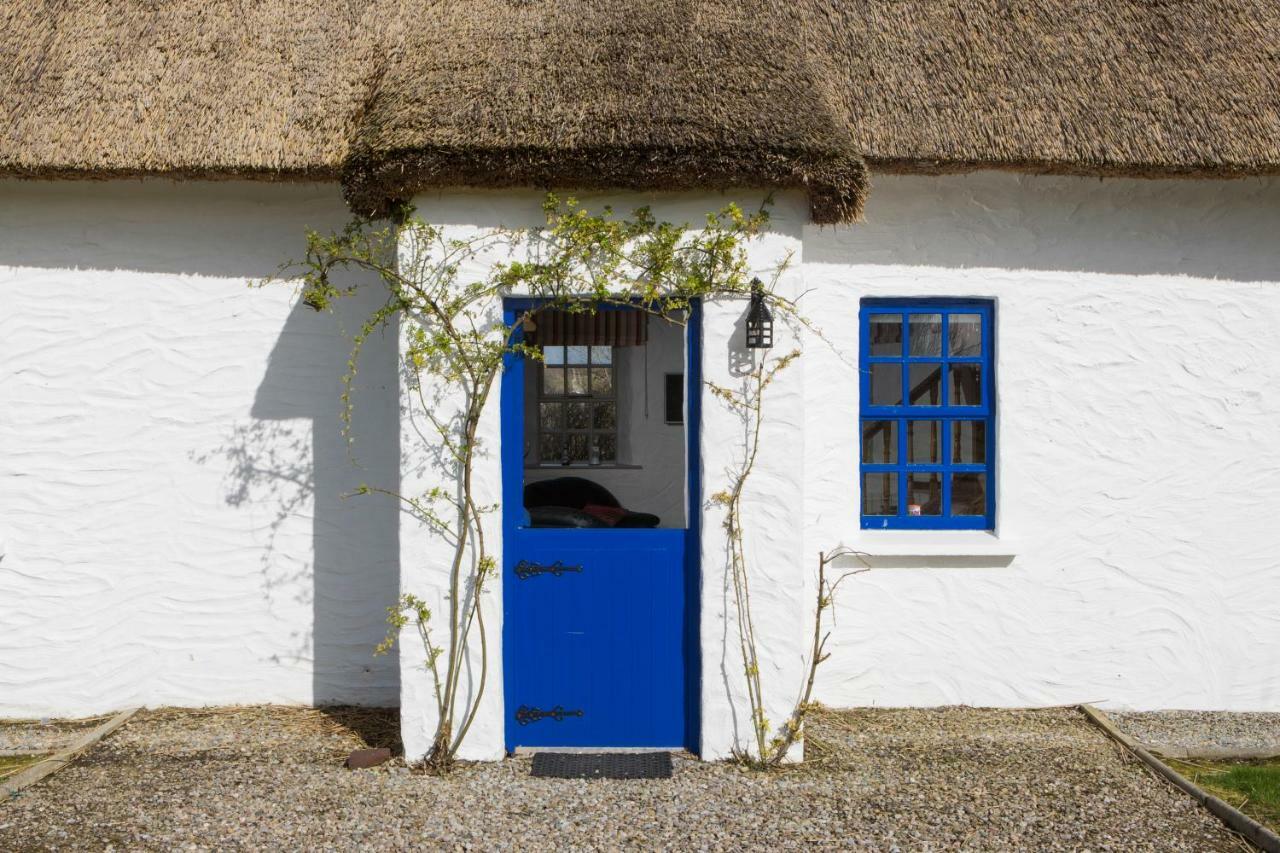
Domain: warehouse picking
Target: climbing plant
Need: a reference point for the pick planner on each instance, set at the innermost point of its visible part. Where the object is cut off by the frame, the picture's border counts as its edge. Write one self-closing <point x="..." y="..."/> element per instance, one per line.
<point x="445" y="293"/>
<point x="771" y="747"/>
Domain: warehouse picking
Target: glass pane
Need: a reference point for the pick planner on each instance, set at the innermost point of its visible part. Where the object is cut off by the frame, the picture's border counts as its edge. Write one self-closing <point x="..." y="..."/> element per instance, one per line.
<point x="925" y="385"/>
<point x="924" y="442"/>
<point x="880" y="442"/>
<point x="924" y="494"/>
<point x="553" y="355"/>
<point x="605" y="416"/>
<point x="577" y="355"/>
<point x="969" y="442"/>
<point x="576" y="380"/>
<point x="968" y="494"/>
<point x="926" y="334"/>
<point x="886" y="384"/>
<point x="602" y="355"/>
<point x="579" y="415"/>
<point x="602" y="381"/>
<point x="966" y="385"/>
<point x="551" y="447"/>
<point x="551" y="416"/>
<point x="578" y="448"/>
<point x="964" y="333"/>
<point x="608" y="445"/>
<point x="886" y="334"/>
<point x="553" y="381"/>
<point x="879" y="494"/>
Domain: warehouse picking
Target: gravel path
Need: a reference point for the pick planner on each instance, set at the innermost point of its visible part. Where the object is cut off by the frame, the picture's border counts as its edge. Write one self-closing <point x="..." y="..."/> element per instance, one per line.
<point x="1206" y="733"/>
<point x="35" y="736"/>
<point x="269" y="778"/>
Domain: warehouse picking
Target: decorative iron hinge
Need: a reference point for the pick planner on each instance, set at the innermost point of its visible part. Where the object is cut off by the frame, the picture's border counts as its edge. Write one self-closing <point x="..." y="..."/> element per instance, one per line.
<point x="526" y="715"/>
<point x="526" y="569"/>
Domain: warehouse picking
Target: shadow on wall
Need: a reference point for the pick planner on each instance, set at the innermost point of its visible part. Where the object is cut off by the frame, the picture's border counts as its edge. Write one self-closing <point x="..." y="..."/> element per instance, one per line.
<point x="291" y="457"/>
<point x="1214" y="229"/>
<point x="355" y="540"/>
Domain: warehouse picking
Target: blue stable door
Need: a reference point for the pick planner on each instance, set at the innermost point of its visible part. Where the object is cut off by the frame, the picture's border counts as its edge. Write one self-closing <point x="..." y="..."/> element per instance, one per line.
<point x="599" y="632"/>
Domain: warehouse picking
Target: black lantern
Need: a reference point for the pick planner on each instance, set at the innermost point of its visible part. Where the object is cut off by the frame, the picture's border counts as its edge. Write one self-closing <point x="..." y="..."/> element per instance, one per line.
<point x="759" y="319"/>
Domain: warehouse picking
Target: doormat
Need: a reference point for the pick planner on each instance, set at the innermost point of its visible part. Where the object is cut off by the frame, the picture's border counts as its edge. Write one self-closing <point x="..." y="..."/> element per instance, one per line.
<point x="602" y="765"/>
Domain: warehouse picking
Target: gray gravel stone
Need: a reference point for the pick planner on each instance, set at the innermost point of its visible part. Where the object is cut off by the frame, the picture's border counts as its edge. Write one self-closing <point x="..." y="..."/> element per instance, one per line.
<point x="1203" y="731"/>
<point x="34" y="736"/>
<point x="952" y="778"/>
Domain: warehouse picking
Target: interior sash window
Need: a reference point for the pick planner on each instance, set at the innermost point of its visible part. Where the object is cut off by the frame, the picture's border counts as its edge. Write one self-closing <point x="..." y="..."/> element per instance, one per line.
<point x="577" y="406"/>
<point x="927" y="397"/>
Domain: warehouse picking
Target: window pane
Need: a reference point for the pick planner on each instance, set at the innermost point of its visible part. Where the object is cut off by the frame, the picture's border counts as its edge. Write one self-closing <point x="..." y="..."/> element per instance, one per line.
<point x="925" y="385"/>
<point x="880" y="442"/>
<point x="924" y="494"/>
<point x="602" y="381"/>
<point x="968" y="442"/>
<point x="577" y="355"/>
<point x="968" y="494"/>
<point x="553" y="355"/>
<point x="886" y="334"/>
<point x="966" y="385"/>
<point x="886" y="385"/>
<point x="926" y="334"/>
<point x="578" y="448"/>
<point x="553" y="381"/>
<point x="602" y="355"/>
<point x="579" y="415"/>
<point x="551" y="447"/>
<point x="576" y="380"/>
<point x="924" y="442"/>
<point x="608" y="445"/>
<point x="879" y="494"/>
<point x="964" y="332"/>
<point x="551" y="416"/>
<point x="605" y="416"/>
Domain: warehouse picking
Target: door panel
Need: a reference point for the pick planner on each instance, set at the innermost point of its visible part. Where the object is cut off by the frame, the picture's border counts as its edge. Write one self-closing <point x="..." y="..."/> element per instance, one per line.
<point x="600" y="635"/>
<point x="601" y="640"/>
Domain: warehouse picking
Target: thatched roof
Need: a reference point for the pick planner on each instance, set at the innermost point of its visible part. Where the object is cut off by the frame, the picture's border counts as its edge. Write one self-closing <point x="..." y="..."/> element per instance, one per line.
<point x="397" y="96"/>
<point x="189" y="87"/>
<point x="662" y="94"/>
<point x="1145" y="88"/>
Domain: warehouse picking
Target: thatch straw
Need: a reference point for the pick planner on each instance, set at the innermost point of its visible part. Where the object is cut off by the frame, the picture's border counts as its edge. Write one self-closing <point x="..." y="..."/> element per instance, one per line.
<point x="404" y="95"/>
<point x="195" y="89"/>
<point x="640" y="94"/>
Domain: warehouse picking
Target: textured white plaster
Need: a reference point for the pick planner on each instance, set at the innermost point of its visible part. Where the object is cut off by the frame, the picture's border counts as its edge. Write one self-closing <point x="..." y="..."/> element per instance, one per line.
<point x="775" y="517"/>
<point x="170" y="458"/>
<point x="1138" y="361"/>
<point x="170" y="462"/>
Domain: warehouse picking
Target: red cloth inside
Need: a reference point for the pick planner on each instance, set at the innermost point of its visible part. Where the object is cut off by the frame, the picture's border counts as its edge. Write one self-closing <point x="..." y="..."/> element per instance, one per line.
<point x="610" y="515"/>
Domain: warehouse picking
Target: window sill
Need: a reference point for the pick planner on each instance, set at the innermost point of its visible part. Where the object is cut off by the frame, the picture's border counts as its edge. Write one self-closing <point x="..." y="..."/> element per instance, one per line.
<point x="582" y="466"/>
<point x="933" y="543"/>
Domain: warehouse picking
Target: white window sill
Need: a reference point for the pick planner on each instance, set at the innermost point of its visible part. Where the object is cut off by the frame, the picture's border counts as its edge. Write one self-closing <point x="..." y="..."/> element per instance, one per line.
<point x="933" y="543"/>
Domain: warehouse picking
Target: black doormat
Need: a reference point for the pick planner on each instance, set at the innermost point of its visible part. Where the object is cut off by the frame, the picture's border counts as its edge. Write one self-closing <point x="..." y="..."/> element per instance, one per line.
<point x="602" y="765"/>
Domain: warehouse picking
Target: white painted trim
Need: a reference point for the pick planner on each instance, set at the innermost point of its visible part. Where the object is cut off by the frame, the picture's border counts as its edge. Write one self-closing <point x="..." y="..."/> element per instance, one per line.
<point x="933" y="543"/>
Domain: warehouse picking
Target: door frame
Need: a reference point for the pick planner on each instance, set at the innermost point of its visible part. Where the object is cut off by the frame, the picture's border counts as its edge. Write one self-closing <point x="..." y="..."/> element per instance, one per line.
<point x="512" y="411"/>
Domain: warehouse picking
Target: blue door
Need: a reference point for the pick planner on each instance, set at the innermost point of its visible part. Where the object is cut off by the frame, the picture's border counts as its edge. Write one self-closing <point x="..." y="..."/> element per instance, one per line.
<point x="600" y="625"/>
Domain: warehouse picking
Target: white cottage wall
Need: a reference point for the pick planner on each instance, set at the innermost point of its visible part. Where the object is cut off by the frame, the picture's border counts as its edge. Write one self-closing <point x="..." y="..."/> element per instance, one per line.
<point x="171" y="461"/>
<point x="171" y="465"/>
<point x="775" y="517"/>
<point x="1137" y="559"/>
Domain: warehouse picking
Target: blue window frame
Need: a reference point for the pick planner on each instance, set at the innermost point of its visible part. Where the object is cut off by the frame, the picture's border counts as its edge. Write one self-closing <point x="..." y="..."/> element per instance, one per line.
<point x="927" y="428"/>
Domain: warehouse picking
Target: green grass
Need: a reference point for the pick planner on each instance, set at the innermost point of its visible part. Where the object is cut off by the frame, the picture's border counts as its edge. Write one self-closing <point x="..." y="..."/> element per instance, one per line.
<point x="11" y="764"/>
<point x="1251" y="786"/>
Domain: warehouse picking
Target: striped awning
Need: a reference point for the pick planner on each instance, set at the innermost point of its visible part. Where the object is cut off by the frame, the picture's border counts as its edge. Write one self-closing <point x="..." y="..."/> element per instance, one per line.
<point x="615" y="327"/>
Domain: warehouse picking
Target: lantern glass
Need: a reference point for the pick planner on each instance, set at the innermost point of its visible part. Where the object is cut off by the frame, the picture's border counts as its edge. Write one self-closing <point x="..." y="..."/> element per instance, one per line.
<point x="759" y="320"/>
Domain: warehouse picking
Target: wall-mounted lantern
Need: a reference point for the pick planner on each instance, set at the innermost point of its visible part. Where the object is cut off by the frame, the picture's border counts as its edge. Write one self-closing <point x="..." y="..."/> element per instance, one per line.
<point x="759" y="319"/>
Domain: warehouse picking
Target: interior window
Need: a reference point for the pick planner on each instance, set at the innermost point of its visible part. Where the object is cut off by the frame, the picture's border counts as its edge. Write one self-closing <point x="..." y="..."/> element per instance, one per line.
<point x="577" y="405"/>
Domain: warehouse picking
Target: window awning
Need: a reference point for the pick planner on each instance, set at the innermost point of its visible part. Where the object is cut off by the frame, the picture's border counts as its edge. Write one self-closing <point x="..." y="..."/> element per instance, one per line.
<point x="615" y="327"/>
